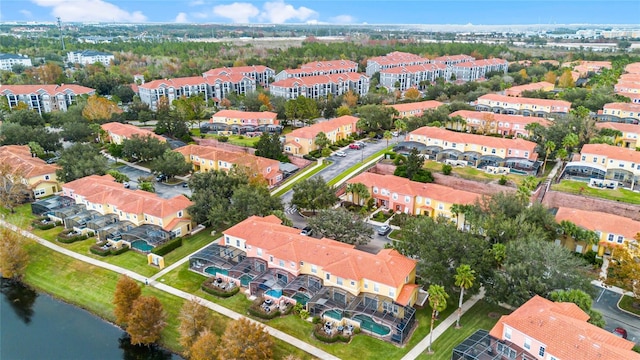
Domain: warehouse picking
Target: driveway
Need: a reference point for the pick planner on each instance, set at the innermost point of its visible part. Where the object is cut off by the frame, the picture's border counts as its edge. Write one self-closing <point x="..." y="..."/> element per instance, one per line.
<point x="163" y="190"/>
<point x="606" y="302"/>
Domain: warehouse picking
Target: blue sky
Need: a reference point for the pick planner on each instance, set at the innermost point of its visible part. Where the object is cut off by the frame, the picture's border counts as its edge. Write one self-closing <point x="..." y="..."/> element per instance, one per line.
<point x="327" y="11"/>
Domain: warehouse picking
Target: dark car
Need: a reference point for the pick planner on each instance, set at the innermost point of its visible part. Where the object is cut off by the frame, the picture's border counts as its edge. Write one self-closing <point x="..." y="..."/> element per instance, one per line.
<point x="378" y="137"/>
<point x="620" y="332"/>
<point x="161" y="177"/>
<point x="307" y="231"/>
<point x="185" y="185"/>
<point x="384" y="230"/>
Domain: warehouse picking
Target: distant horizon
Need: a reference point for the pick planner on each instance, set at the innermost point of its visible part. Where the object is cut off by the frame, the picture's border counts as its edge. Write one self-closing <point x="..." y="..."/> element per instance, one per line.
<point x="329" y="12"/>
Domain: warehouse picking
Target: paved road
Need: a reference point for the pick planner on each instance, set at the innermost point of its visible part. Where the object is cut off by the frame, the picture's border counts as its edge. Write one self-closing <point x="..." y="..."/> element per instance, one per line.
<point x="163" y="190"/>
<point x="606" y="302"/>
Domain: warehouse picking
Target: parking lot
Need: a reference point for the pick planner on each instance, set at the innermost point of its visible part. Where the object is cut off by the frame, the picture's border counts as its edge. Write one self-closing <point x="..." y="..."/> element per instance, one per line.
<point x="163" y="190"/>
<point x="606" y="302"/>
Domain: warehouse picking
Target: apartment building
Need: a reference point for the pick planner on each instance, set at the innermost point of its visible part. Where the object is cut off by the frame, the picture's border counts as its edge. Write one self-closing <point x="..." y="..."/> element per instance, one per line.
<point x="630" y="137"/>
<point x="629" y="86"/>
<point x="618" y="166"/>
<point x="477" y="69"/>
<point x="633" y="68"/>
<point x="620" y="112"/>
<point x="44" y="98"/>
<point x="546" y="330"/>
<point x="415" y="108"/>
<point x="415" y="198"/>
<point x="412" y="76"/>
<point x="262" y="75"/>
<point x="87" y="57"/>
<point x="302" y="141"/>
<point x="537" y="86"/>
<point x="317" y="68"/>
<point x="319" y="86"/>
<point x="208" y="158"/>
<point x="236" y="117"/>
<point x="8" y="60"/>
<point x="502" y="104"/>
<point x="451" y="60"/>
<point x="475" y="150"/>
<point x="613" y="231"/>
<point x="483" y="122"/>
<point x="37" y="175"/>
<point x="392" y="60"/>
<point x="103" y="195"/>
<point x="328" y="277"/>
<point x="118" y="132"/>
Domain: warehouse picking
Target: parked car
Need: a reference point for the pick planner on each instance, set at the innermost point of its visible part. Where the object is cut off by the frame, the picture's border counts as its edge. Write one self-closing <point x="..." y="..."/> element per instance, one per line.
<point x="620" y="332"/>
<point x="126" y="185"/>
<point x="161" y="177"/>
<point x="354" y="146"/>
<point x="394" y="133"/>
<point x="52" y="160"/>
<point x="307" y="231"/>
<point x="341" y="153"/>
<point x="378" y="137"/>
<point x="384" y="230"/>
<point x="360" y="143"/>
<point x="185" y="185"/>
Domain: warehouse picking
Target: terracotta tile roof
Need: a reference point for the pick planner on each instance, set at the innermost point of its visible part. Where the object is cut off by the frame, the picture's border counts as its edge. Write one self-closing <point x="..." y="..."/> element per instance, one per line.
<point x="634" y="78"/>
<point x="310" y="132"/>
<point x="633" y="68"/>
<point x="387" y="267"/>
<point x="564" y="330"/>
<point x="482" y="63"/>
<point x="459" y="57"/>
<point x="405" y="294"/>
<point x="415" y="68"/>
<point x="612" y="152"/>
<point x="513" y="119"/>
<point x="600" y="221"/>
<point x="405" y="186"/>
<point x="309" y="81"/>
<point x="529" y="87"/>
<point x="245" y="114"/>
<point x="398" y="57"/>
<point x="330" y="65"/>
<point x="421" y="105"/>
<point x="523" y="100"/>
<point x="623" y="127"/>
<point x="127" y="131"/>
<point x="489" y="141"/>
<point x="20" y="161"/>
<point x="104" y="190"/>
<point x="631" y="107"/>
<point x="233" y="157"/>
<point x="175" y="82"/>
<point x="48" y="89"/>
<point x="236" y="70"/>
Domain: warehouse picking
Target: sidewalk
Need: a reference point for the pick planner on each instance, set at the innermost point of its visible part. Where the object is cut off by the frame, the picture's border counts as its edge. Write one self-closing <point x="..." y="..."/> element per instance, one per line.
<point x="423" y="345"/>
<point x="318" y="353"/>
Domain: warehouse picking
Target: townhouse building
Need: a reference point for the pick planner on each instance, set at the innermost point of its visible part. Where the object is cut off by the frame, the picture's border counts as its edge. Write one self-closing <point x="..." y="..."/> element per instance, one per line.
<point x="583" y="68"/>
<point x="415" y="198"/>
<point x="319" y="86"/>
<point x="39" y="177"/>
<point x="483" y="122"/>
<point x="451" y="60"/>
<point x="8" y="60"/>
<point x="330" y="278"/>
<point x="633" y="68"/>
<point x="617" y="166"/>
<point x="118" y="132"/>
<point x="261" y="74"/>
<point x="629" y="86"/>
<point x="502" y="104"/>
<point x="480" y="151"/>
<point x="537" y="86"/>
<point x="547" y="330"/>
<point x="302" y="141"/>
<point x="392" y="60"/>
<point x="317" y="68"/>
<point x="477" y="69"/>
<point x="613" y="231"/>
<point x="630" y="137"/>
<point x="209" y="158"/>
<point x="87" y="57"/>
<point x="415" y="108"/>
<point x="44" y="98"/>
<point x="620" y="112"/>
<point x="236" y="117"/>
<point x="413" y="76"/>
<point x="101" y="194"/>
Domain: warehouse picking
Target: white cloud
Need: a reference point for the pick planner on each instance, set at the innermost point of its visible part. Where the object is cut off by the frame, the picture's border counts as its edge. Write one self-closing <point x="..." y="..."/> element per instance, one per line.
<point x="196" y="3"/>
<point x="342" y="19"/>
<point x="237" y="12"/>
<point x="181" y="18"/>
<point x="90" y="10"/>
<point x="26" y="13"/>
<point x="278" y="12"/>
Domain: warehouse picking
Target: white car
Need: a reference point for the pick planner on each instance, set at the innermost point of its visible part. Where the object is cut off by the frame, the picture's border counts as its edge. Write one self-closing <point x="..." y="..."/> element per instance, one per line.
<point x="341" y="153"/>
<point x="395" y="133"/>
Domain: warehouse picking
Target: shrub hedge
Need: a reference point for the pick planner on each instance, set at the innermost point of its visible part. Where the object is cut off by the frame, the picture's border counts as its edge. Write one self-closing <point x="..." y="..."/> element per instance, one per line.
<point x="167" y="247"/>
<point x="63" y="238"/>
<point x="257" y="311"/>
<point x="98" y="250"/>
<point x="318" y="332"/>
<point x="213" y="290"/>
<point x="37" y="223"/>
<point x="122" y="250"/>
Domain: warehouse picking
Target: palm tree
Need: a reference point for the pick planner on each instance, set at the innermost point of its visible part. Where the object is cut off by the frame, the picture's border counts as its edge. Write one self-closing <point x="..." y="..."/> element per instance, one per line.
<point x="360" y="190"/>
<point x="387" y="136"/>
<point x="549" y="147"/>
<point x="438" y="302"/>
<point x="401" y="126"/>
<point x="465" y="277"/>
<point x="456" y="209"/>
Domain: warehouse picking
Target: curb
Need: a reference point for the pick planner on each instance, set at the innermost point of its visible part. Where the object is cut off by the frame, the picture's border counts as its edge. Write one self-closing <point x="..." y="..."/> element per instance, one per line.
<point x="623" y="310"/>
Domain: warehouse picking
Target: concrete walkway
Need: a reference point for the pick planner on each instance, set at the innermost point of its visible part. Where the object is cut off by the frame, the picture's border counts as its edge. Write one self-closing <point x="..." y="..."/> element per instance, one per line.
<point x="423" y="345"/>
<point x="213" y="306"/>
<point x="178" y="263"/>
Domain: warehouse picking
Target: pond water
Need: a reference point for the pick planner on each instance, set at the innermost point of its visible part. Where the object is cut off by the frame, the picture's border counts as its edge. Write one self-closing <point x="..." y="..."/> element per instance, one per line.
<point x="37" y="326"/>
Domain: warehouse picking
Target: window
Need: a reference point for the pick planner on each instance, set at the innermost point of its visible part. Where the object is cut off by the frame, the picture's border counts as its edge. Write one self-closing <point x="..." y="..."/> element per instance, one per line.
<point x="281" y="263"/>
<point x="584" y="158"/>
<point x="527" y="344"/>
<point x="353" y="283"/>
<point x="375" y="190"/>
<point x="327" y="276"/>
<point x="507" y="333"/>
<point x="237" y="243"/>
<point x="339" y="281"/>
<point x="38" y="192"/>
<point x="620" y="239"/>
<point x="395" y="196"/>
<point x="407" y="199"/>
<point x="270" y="259"/>
<point x="47" y="177"/>
<point x="314" y="269"/>
<point x="419" y="199"/>
<point x="259" y="251"/>
<point x="366" y="285"/>
<point x="293" y="264"/>
<point x="180" y="213"/>
<point x="541" y="351"/>
<point x="376" y="287"/>
<point x="392" y="292"/>
<point x="610" y="237"/>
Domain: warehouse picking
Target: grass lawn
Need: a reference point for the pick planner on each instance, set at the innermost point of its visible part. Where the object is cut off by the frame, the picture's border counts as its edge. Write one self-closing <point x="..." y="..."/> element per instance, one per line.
<point x="474" y="319"/>
<point x="21" y="216"/>
<point x="582" y="188"/>
<point x="471" y="173"/>
<point x="294" y="179"/>
<point x="350" y="170"/>
<point x="626" y="303"/>
<point x="396" y="234"/>
<point x="189" y="245"/>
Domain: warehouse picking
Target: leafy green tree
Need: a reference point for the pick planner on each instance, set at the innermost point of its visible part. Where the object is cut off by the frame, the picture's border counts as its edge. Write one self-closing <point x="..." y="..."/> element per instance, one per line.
<point x="584" y="302"/>
<point x="16" y="134"/>
<point x="143" y="148"/>
<point x="415" y="162"/>
<point x="375" y="118"/>
<point x="283" y="217"/>
<point x="208" y="189"/>
<point x="76" y="131"/>
<point x="301" y="108"/>
<point x="465" y="277"/>
<point x="118" y="176"/>
<point x="13" y="190"/>
<point x="36" y="149"/>
<point x="126" y="293"/>
<point x="549" y="148"/>
<point x="343" y="110"/>
<point x="124" y="93"/>
<point x="387" y="136"/>
<point x="170" y="163"/>
<point x="146" y="320"/>
<point x="81" y="160"/>
<point x="146" y="185"/>
<point x="270" y="147"/>
<point x="248" y="200"/>
<point x="169" y="122"/>
<point x="342" y="225"/>
<point x="438" y="302"/>
<point x="244" y="339"/>
<point x="115" y="150"/>
<point x="25" y="118"/>
<point x="313" y="194"/>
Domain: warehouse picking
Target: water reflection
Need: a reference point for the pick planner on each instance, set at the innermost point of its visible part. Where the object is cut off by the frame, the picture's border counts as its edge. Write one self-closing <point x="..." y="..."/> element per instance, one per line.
<point x="136" y="352"/>
<point x="20" y="298"/>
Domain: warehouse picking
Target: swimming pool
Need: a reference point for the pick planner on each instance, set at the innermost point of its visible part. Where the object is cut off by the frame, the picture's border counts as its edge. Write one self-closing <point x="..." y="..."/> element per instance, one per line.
<point x="245" y="280"/>
<point x="274" y="293"/>
<point x="214" y="271"/>
<point x="300" y="298"/>
<point x="141" y="245"/>
<point x="367" y="323"/>
<point x="334" y="314"/>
